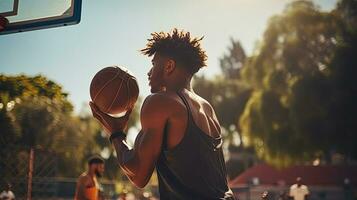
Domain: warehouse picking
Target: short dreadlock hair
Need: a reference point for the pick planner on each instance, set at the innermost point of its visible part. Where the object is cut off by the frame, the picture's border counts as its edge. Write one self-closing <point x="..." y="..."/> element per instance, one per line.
<point x="95" y="160"/>
<point x="178" y="46"/>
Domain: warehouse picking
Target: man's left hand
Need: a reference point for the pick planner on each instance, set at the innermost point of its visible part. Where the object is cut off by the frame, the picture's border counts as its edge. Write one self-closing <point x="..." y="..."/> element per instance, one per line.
<point x="109" y="123"/>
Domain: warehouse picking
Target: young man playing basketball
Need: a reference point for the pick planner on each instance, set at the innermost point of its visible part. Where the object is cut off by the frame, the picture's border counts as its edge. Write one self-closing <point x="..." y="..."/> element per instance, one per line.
<point x="180" y="136"/>
<point x="87" y="185"/>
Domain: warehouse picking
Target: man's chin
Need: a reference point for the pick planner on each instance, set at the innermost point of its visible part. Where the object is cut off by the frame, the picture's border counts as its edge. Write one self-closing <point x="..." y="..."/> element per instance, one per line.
<point x="98" y="174"/>
<point x="156" y="90"/>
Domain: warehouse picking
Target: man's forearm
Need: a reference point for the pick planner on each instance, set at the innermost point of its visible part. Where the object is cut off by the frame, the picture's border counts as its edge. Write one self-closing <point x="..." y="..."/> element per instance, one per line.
<point x="125" y="156"/>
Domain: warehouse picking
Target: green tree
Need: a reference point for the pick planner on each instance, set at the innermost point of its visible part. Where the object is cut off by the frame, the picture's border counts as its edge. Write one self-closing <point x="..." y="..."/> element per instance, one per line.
<point x="293" y="113"/>
<point x="35" y="103"/>
<point x="22" y="86"/>
<point x="343" y="70"/>
<point x="36" y="113"/>
<point x="233" y="62"/>
<point x="226" y="92"/>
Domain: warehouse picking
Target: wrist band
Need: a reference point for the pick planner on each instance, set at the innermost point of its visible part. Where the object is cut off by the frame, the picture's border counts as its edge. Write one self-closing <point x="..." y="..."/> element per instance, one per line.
<point x="117" y="134"/>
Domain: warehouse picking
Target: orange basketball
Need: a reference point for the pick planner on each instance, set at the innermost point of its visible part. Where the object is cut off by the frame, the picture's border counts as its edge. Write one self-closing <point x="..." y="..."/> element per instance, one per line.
<point x="114" y="90"/>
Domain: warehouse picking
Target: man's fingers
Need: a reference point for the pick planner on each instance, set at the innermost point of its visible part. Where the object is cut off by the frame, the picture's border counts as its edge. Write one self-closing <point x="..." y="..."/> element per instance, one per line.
<point x="100" y="119"/>
<point x="93" y="107"/>
<point x="100" y="116"/>
<point x="110" y="123"/>
<point x="128" y="112"/>
<point x="96" y="112"/>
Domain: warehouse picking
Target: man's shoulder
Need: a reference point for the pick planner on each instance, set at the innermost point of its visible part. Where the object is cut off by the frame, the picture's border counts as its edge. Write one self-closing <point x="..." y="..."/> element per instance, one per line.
<point x="161" y="106"/>
<point x="84" y="177"/>
<point x="162" y="99"/>
<point x="304" y="187"/>
<point x="199" y="98"/>
<point x="7" y="194"/>
<point x="11" y="194"/>
<point x="293" y="186"/>
<point x="162" y="94"/>
<point x="204" y="102"/>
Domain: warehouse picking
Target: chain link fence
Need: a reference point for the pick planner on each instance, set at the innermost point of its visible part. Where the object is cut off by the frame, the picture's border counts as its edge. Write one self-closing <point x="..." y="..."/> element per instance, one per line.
<point x="42" y="182"/>
<point x="14" y="162"/>
<point x="28" y="177"/>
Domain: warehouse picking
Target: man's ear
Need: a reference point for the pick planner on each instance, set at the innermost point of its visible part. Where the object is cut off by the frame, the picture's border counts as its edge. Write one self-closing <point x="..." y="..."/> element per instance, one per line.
<point x="170" y="66"/>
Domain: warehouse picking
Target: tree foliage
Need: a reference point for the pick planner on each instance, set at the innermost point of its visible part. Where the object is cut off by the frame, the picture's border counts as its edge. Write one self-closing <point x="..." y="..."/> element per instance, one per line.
<point x="297" y="111"/>
<point x="232" y="63"/>
<point x="35" y="112"/>
<point x="226" y="92"/>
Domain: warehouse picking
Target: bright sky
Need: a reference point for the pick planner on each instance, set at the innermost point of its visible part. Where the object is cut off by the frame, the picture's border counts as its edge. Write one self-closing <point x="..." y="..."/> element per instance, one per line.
<point x="111" y="32"/>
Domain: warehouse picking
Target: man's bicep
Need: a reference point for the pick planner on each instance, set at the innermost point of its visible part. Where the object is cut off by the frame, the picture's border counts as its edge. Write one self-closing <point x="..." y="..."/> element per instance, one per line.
<point x="148" y="147"/>
<point x="153" y="121"/>
<point x="81" y="187"/>
<point x="291" y="192"/>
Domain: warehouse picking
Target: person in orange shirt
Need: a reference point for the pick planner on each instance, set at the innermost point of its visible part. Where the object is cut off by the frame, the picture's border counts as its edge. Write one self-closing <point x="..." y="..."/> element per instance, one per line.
<point x="87" y="185"/>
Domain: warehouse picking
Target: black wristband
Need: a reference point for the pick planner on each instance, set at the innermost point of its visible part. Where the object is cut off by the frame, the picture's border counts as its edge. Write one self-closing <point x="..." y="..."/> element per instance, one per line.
<point x="117" y="134"/>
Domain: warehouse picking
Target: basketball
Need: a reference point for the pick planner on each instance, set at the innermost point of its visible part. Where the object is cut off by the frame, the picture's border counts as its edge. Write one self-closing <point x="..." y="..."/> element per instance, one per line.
<point x="114" y="90"/>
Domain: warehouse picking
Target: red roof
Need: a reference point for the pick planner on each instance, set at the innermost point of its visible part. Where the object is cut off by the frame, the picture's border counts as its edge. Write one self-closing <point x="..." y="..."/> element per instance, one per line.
<point x="311" y="175"/>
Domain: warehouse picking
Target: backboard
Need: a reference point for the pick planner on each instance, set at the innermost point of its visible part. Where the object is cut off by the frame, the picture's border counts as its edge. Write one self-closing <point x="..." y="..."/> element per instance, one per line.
<point x="27" y="15"/>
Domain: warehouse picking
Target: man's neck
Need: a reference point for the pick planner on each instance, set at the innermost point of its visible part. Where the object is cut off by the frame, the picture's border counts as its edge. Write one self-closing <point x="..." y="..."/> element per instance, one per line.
<point x="179" y="85"/>
<point x="91" y="174"/>
<point x="178" y="88"/>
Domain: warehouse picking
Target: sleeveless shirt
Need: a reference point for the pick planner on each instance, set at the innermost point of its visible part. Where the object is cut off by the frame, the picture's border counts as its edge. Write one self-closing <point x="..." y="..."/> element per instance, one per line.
<point x="91" y="192"/>
<point x="193" y="169"/>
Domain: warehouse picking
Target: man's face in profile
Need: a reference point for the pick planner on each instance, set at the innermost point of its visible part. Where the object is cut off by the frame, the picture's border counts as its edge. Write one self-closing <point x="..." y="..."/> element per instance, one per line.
<point x="155" y="75"/>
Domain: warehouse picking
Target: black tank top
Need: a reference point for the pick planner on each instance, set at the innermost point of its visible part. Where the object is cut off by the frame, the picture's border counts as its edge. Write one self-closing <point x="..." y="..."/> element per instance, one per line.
<point x="193" y="169"/>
